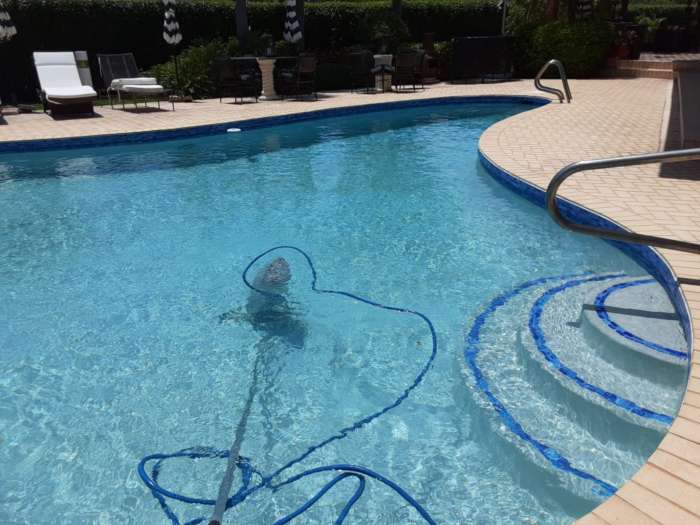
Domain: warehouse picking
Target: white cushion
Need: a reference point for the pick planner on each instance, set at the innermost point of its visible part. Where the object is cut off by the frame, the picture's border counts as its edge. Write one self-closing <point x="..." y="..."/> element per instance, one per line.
<point x="142" y="89"/>
<point x="56" y="69"/>
<point x="117" y="83"/>
<point x="70" y="92"/>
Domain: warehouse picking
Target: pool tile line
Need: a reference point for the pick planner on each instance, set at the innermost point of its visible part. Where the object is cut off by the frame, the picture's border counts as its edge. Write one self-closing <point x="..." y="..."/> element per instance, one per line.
<point x="140" y="137"/>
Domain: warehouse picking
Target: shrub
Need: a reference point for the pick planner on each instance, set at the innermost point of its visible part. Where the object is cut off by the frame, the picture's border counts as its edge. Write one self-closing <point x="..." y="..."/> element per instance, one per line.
<point x="673" y="14"/>
<point x="195" y="69"/>
<point x="581" y="46"/>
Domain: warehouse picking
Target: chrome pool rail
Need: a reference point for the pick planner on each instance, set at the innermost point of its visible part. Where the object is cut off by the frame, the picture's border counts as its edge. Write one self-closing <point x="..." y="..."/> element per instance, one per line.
<point x="616" y="162"/>
<point x="564" y="80"/>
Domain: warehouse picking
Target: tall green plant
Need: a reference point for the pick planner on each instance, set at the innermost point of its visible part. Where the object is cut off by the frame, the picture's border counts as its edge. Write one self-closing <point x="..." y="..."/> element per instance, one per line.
<point x="195" y="67"/>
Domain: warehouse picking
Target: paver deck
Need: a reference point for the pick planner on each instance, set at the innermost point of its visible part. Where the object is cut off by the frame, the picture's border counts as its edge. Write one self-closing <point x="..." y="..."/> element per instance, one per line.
<point x="608" y="117"/>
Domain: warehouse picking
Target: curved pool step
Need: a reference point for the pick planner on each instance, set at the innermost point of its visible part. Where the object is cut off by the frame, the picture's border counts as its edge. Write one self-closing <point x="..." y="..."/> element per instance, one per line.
<point x="562" y="348"/>
<point x="559" y="424"/>
<point x="636" y="386"/>
<point x="637" y="315"/>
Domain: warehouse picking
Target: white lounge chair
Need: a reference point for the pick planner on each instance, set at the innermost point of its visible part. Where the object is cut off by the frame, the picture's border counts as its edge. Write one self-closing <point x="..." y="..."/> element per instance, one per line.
<point x="121" y="76"/>
<point x="62" y="92"/>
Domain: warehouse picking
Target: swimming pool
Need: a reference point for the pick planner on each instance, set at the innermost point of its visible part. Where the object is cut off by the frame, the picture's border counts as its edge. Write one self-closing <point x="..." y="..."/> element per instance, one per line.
<point x="127" y="329"/>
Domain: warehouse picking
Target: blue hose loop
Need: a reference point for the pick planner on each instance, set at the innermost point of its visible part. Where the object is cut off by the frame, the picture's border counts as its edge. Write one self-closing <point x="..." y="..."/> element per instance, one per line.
<point x="346" y="508"/>
<point x="604" y="316"/>
<point x="161" y="494"/>
<point x="355" y="471"/>
<point x="471" y="352"/>
<point x="554" y="361"/>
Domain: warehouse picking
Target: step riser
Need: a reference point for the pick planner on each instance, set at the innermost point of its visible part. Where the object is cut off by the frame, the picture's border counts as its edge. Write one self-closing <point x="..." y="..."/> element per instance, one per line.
<point x="644" y="64"/>
<point x="645" y="73"/>
<point x="635" y="363"/>
<point x="595" y="417"/>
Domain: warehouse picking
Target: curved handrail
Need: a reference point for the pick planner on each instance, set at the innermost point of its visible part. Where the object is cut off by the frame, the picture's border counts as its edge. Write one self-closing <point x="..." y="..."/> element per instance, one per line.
<point x="564" y="80"/>
<point x="624" y="236"/>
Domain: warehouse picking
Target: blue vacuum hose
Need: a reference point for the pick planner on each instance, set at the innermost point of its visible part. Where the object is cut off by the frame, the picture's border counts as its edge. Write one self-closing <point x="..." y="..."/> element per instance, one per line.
<point x="345" y="471"/>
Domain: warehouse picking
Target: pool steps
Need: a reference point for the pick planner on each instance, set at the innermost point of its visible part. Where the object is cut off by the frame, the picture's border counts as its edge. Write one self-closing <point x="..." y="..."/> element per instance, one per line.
<point x="553" y="410"/>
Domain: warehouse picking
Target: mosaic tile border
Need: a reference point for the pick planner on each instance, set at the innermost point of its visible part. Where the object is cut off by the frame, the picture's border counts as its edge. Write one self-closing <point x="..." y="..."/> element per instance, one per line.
<point x="139" y="137"/>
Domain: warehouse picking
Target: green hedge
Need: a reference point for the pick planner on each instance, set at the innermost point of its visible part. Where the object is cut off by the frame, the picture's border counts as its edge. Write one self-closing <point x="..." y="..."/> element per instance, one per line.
<point x="582" y="47"/>
<point x="110" y="26"/>
<point x="675" y="14"/>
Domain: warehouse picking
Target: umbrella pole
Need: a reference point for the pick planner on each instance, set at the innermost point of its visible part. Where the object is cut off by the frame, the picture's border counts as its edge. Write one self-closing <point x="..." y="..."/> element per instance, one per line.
<point x="177" y="78"/>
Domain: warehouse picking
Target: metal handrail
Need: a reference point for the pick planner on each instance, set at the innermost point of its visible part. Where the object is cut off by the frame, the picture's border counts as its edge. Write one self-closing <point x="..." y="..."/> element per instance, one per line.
<point x="615" y="162"/>
<point x="551" y="90"/>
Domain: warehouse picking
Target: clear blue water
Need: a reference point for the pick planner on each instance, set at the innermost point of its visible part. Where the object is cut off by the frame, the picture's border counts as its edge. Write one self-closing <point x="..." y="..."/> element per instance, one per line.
<point x="116" y="263"/>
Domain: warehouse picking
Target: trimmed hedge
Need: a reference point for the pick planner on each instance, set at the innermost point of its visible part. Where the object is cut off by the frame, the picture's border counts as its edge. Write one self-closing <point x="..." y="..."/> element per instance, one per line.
<point x="111" y="26"/>
<point x="675" y="14"/>
<point x="582" y="46"/>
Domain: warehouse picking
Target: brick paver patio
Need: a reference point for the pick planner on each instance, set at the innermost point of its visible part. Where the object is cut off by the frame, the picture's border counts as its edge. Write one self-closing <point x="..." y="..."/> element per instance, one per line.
<point x="608" y="117"/>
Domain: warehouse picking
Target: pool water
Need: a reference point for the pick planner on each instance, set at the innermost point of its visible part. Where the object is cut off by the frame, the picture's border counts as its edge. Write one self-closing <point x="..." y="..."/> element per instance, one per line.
<point x="126" y="328"/>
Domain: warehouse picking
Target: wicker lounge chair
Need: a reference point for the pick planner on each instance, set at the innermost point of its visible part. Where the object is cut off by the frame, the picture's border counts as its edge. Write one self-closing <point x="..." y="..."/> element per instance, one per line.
<point x="238" y="78"/>
<point x="362" y="70"/>
<point x="408" y="70"/>
<point x="121" y="75"/>
<point x="62" y="91"/>
<point x="295" y="76"/>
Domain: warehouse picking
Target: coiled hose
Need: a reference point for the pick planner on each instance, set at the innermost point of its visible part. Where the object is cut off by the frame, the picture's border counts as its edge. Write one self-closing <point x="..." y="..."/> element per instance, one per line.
<point x="346" y="471"/>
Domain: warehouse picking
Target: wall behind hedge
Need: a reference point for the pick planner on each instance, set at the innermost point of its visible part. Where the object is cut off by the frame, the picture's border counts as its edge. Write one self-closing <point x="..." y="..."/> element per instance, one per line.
<point x="112" y="26"/>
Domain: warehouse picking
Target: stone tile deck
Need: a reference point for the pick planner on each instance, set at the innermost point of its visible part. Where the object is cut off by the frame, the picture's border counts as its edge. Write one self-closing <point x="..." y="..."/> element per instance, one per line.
<point x="608" y="117"/>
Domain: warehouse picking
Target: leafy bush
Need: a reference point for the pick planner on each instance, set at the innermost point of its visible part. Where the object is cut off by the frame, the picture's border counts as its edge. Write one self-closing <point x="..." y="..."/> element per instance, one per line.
<point x="333" y="76"/>
<point x="194" y="68"/>
<point x="673" y="14"/>
<point x="582" y="46"/>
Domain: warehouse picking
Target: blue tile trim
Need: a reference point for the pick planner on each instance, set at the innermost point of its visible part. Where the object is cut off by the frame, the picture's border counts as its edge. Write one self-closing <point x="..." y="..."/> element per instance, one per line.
<point x="551" y="358"/>
<point x="471" y="353"/>
<point x="262" y="122"/>
<point x="603" y="315"/>
<point x="645" y="256"/>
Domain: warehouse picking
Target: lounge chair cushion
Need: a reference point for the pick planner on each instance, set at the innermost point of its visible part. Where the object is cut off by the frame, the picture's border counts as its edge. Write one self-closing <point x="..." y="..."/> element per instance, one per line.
<point x="142" y="89"/>
<point x="72" y="92"/>
<point x="118" y="83"/>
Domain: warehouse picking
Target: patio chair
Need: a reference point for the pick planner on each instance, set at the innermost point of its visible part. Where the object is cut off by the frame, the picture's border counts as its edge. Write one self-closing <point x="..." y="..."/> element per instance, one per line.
<point x="296" y="76"/>
<point x="238" y="78"/>
<point x="61" y="90"/>
<point x="121" y="75"/>
<point x="362" y="70"/>
<point x="482" y="57"/>
<point x="407" y="70"/>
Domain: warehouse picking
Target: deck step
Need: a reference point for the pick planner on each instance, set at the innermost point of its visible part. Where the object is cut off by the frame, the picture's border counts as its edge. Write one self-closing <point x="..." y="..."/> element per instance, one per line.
<point x="644" y="64"/>
<point x="643" y="73"/>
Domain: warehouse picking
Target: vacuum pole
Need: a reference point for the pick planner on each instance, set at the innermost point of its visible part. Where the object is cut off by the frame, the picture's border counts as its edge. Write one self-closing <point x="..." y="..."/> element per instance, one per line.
<point x="225" y="486"/>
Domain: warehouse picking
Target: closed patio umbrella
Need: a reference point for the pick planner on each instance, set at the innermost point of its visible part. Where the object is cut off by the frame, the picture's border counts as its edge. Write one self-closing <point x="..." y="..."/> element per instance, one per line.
<point x="293" y="21"/>
<point x="171" y="28"/>
<point x="7" y="28"/>
<point x="171" y="33"/>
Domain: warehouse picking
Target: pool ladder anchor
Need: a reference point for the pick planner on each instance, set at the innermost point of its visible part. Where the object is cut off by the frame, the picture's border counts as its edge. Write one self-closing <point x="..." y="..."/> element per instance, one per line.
<point x="564" y="80"/>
